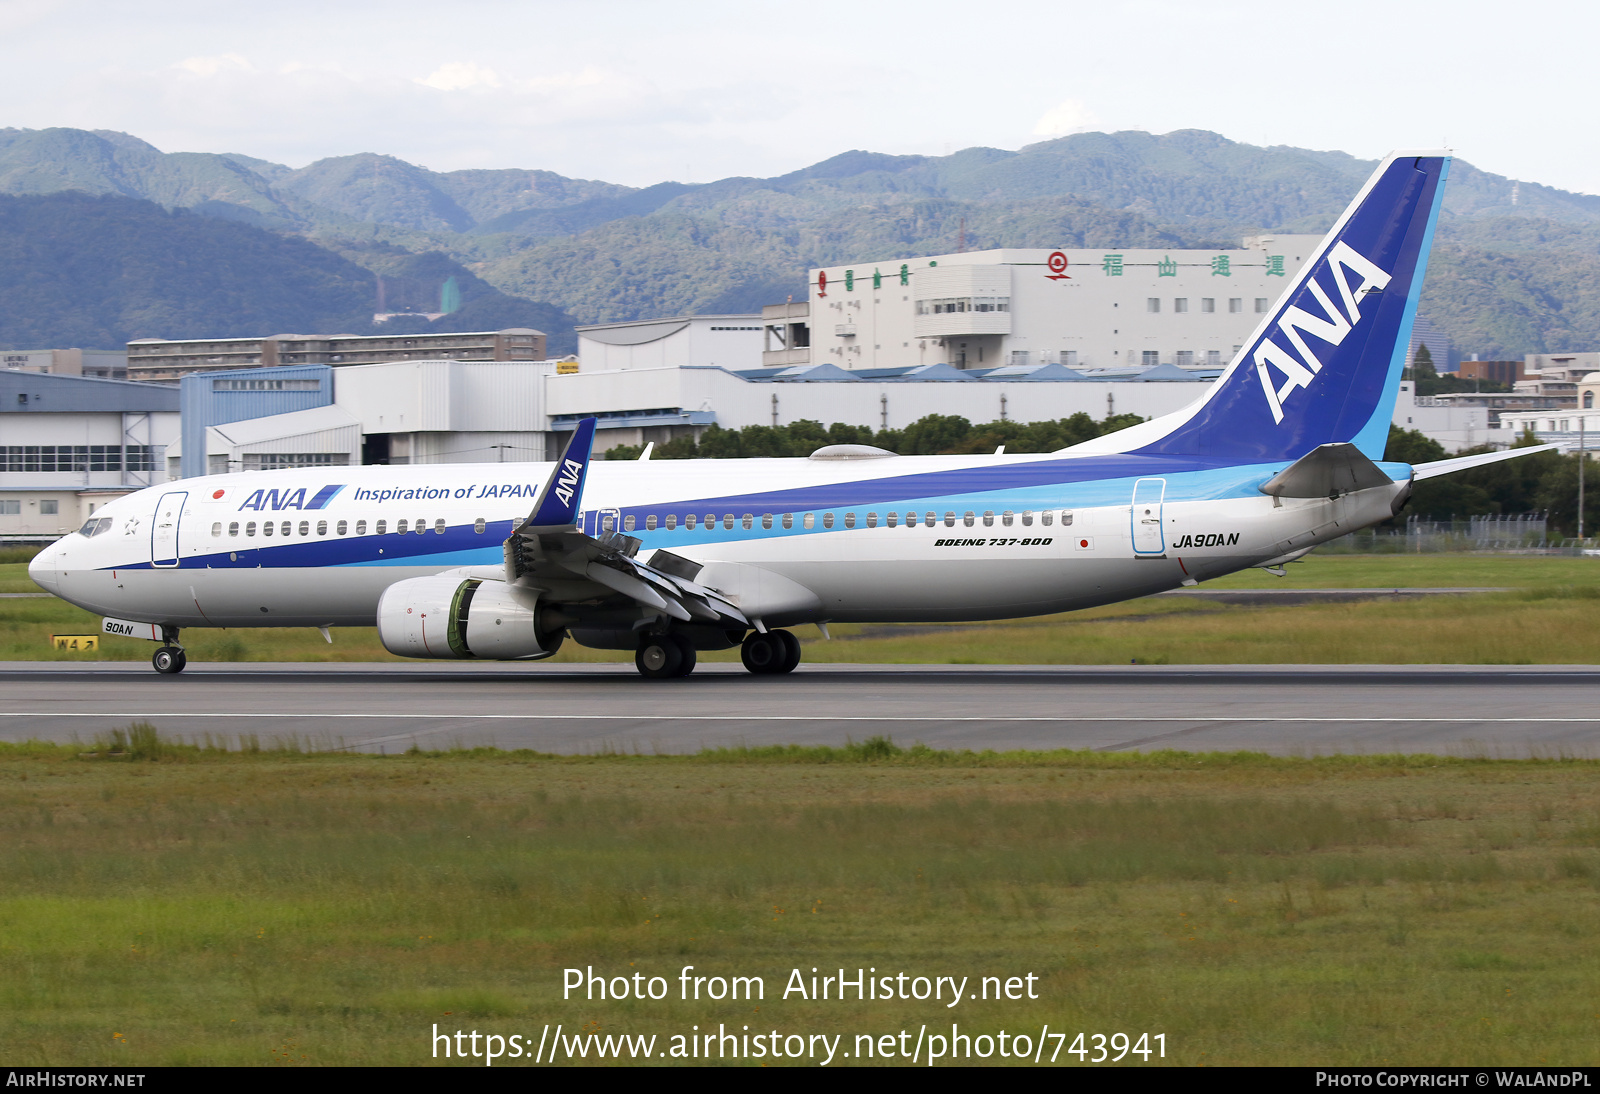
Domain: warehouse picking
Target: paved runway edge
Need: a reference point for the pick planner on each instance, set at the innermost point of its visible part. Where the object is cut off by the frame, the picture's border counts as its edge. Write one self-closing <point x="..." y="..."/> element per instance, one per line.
<point x="533" y="670"/>
<point x="1476" y="710"/>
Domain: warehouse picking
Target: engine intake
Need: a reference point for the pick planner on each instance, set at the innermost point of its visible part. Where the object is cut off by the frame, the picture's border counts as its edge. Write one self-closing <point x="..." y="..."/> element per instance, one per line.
<point x="454" y="617"/>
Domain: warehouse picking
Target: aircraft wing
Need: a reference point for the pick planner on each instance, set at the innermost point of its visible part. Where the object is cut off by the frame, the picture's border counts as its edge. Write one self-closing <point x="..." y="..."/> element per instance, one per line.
<point x="550" y="551"/>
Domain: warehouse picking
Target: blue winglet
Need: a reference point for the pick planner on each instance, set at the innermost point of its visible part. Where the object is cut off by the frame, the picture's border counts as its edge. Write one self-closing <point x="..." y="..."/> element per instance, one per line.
<point x="562" y="496"/>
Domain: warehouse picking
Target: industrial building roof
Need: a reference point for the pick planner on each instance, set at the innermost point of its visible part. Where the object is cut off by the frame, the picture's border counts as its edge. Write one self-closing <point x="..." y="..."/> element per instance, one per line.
<point x="45" y="393"/>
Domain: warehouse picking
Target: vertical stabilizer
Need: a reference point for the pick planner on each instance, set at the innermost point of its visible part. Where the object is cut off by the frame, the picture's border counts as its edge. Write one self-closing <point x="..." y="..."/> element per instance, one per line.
<point x="1324" y="365"/>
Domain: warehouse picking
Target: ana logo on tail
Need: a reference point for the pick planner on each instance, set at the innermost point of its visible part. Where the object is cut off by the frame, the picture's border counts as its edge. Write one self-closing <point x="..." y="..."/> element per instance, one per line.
<point x="1298" y="368"/>
<point x="567" y="481"/>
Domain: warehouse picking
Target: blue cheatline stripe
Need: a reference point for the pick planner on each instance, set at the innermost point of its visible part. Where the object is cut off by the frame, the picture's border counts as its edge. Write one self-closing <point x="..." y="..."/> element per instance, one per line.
<point x="324" y="496"/>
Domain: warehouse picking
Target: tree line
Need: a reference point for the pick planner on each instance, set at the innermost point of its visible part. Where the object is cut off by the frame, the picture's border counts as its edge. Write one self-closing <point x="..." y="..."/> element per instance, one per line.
<point x="933" y="435"/>
<point x="1544" y="481"/>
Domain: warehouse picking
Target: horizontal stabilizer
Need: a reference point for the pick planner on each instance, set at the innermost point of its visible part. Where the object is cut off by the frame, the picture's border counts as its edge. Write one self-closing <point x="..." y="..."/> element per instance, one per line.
<point x="1326" y="472"/>
<point x="1461" y="463"/>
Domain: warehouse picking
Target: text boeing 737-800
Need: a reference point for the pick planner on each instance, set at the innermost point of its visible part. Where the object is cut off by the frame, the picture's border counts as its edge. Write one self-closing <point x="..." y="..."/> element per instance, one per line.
<point x="1281" y="453"/>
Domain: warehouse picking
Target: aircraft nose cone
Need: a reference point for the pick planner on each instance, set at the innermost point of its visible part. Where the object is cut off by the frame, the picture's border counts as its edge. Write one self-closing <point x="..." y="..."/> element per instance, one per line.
<point x="42" y="569"/>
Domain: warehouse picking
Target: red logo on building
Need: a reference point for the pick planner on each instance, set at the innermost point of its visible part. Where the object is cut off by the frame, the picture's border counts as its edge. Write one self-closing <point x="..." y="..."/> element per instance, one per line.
<point x="822" y="283"/>
<point x="1058" y="267"/>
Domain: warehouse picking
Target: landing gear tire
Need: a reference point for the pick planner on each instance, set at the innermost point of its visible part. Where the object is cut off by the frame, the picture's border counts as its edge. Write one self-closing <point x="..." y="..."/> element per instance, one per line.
<point x="687" y="651"/>
<point x="770" y="654"/>
<point x="659" y="657"/>
<point x="169" y="660"/>
<point x="791" y="651"/>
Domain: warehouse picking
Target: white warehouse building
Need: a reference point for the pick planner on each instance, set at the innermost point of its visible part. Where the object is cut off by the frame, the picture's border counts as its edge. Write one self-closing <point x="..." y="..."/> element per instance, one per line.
<point x="1096" y="309"/>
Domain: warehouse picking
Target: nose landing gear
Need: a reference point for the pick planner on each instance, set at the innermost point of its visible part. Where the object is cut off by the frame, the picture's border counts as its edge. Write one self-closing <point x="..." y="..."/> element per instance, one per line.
<point x="170" y="659"/>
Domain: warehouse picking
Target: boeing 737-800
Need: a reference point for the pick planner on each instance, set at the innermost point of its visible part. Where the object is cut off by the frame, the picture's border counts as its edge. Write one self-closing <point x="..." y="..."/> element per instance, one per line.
<point x="1283" y="452"/>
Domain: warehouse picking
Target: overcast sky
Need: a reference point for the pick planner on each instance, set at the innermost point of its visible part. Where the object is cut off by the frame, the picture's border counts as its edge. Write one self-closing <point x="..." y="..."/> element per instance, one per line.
<point x="693" y="90"/>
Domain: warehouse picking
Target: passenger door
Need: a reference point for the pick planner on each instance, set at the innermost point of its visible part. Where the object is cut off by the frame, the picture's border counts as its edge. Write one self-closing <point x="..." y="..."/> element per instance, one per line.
<point x="1149" y="538"/>
<point x="164" y="529"/>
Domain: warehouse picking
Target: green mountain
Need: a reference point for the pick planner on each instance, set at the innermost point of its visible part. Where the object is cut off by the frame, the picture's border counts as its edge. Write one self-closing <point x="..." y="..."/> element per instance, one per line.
<point x="100" y="270"/>
<point x="1516" y="267"/>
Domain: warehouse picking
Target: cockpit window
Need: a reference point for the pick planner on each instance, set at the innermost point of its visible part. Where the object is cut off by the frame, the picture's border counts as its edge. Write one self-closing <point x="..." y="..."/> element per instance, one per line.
<point x="95" y="526"/>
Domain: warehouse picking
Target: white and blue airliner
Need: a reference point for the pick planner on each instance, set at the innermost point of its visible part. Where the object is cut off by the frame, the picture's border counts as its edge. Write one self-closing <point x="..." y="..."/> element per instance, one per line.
<point x="506" y="561"/>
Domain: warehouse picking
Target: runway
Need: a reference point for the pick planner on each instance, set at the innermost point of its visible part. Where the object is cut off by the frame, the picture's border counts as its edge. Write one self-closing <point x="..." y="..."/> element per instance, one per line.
<point x="1502" y="711"/>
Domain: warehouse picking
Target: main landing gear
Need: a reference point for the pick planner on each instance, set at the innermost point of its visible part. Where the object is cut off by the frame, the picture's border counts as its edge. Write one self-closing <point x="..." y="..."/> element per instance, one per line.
<point x="170" y="659"/>
<point x="773" y="653"/>
<point x="662" y="656"/>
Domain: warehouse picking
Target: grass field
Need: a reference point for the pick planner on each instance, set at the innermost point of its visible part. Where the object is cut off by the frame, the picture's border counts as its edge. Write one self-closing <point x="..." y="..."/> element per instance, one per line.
<point x="295" y="910"/>
<point x="1549" y="617"/>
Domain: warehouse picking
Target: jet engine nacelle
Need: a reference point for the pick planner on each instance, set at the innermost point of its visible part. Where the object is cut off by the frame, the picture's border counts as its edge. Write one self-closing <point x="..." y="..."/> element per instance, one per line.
<point x="451" y="616"/>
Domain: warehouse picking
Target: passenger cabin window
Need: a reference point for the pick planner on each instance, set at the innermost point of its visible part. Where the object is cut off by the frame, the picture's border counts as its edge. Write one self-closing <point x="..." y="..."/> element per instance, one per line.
<point x="891" y="519"/>
<point x="439" y="527"/>
<point x="1046" y="517"/>
<point x="672" y="521"/>
<point x="810" y="520"/>
<point x="849" y="520"/>
<point x="381" y="528"/>
<point x="711" y="521"/>
<point x="627" y="523"/>
<point x="727" y="521"/>
<point x="322" y="527"/>
<point x="233" y="529"/>
<point x="788" y="520"/>
<point x="827" y="520"/>
<point x="690" y="520"/>
<point x="342" y="528"/>
<point x="748" y="521"/>
<point x="911" y="520"/>
<point x="766" y="520"/>
<point x="872" y="520"/>
<point x="284" y="528"/>
<point x="1066" y="518"/>
<point x="988" y="518"/>
<point x="401" y="527"/>
<point x="650" y="523"/>
<point x="930" y="519"/>
<point x="266" y="527"/>
<point x="950" y="519"/>
<point x="422" y="526"/>
<point x="608" y="523"/>
<point x="216" y="529"/>
<point x="305" y="528"/>
<point x="250" y="528"/>
<point x="1006" y="517"/>
<point x="480" y="526"/>
<point x="969" y="518"/>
